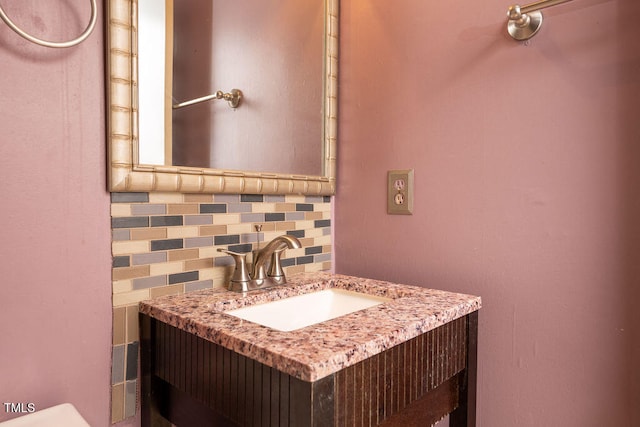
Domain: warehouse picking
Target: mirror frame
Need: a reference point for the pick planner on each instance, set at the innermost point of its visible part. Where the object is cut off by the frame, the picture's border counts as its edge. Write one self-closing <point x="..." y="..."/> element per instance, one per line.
<point x="127" y="175"/>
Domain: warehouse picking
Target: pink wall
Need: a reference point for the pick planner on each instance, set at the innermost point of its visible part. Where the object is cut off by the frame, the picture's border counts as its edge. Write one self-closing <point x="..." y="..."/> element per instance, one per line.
<point x="527" y="190"/>
<point x="531" y="203"/>
<point x="55" y="306"/>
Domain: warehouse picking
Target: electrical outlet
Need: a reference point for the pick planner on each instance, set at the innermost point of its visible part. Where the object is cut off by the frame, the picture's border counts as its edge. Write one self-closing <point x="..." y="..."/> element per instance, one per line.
<point x="400" y="192"/>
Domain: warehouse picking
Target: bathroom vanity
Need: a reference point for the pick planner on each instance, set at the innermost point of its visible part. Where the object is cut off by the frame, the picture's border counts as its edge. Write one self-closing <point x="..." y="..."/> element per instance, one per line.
<point x="407" y="361"/>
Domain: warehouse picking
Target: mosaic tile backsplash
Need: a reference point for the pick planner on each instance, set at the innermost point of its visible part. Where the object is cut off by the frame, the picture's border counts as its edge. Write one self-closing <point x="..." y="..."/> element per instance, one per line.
<point x="166" y="243"/>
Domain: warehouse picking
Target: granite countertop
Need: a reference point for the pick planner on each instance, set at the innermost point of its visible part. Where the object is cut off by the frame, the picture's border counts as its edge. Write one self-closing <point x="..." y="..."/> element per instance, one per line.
<point x="319" y="350"/>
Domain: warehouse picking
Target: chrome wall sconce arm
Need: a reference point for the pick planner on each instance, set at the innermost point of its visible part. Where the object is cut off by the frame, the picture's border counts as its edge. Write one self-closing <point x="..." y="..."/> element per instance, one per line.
<point x="233" y="98"/>
<point x="525" y="21"/>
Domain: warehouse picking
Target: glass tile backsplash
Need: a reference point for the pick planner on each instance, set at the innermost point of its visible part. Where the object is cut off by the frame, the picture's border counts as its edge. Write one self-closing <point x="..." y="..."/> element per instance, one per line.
<point x="166" y="243"/>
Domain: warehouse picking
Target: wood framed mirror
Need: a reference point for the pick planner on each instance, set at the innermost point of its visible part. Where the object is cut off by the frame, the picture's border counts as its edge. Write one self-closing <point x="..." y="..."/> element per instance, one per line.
<point x="127" y="174"/>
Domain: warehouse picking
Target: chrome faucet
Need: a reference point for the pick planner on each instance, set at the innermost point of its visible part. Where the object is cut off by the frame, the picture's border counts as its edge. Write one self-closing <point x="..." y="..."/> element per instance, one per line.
<point x="260" y="278"/>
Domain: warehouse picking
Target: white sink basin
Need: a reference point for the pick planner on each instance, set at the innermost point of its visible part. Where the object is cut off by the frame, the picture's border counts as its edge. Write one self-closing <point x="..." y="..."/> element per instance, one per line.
<point x="300" y="311"/>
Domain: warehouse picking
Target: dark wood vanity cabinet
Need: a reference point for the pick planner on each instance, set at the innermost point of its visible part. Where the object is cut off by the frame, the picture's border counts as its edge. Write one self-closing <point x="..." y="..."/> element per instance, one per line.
<point x="192" y="382"/>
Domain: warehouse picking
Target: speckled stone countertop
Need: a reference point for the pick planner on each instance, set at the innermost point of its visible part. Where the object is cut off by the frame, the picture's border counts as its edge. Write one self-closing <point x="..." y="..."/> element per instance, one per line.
<point x="319" y="350"/>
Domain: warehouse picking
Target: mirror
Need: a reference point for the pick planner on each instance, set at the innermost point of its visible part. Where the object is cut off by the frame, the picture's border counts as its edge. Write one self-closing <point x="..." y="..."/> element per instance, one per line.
<point x="226" y="174"/>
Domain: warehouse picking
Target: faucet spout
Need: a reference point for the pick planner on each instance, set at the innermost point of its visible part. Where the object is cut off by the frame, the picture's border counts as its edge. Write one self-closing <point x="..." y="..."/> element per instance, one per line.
<point x="264" y="254"/>
<point x="242" y="281"/>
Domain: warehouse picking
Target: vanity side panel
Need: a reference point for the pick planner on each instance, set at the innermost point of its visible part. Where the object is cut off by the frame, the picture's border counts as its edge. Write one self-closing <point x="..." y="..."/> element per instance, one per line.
<point x="393" y="380"/>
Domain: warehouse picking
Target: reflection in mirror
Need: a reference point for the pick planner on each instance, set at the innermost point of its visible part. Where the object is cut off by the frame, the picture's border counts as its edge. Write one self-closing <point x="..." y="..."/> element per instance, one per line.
<point x="278" y="127"/>
<point x="154" y="72"/>
<point x="282" y="54"/>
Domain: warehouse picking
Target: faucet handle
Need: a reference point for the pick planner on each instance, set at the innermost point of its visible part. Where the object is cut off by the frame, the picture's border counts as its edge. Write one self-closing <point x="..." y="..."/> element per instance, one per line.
<point x="275" y="267"/>
<point x="240" y="278"/>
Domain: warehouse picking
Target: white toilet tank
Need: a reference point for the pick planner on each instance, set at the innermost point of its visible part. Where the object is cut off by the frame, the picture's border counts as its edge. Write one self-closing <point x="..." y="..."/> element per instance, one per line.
<point x="64" y="415"/>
